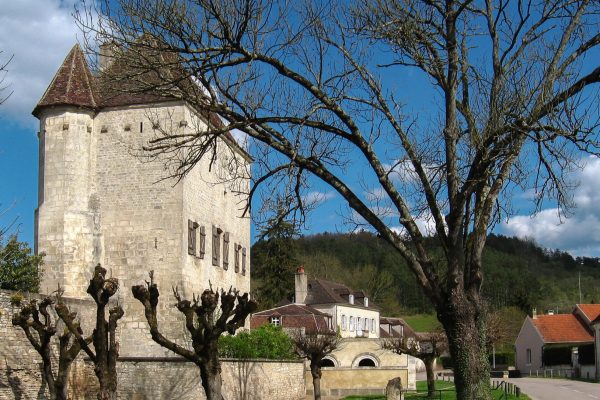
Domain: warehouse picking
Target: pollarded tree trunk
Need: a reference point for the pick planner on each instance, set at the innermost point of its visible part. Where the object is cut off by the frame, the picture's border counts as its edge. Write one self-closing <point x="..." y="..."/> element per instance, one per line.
<point x="315" y="371"/>
<point x="210" y="372"/>
<point x="464" y="321"/>
<point x="430" y="378"/>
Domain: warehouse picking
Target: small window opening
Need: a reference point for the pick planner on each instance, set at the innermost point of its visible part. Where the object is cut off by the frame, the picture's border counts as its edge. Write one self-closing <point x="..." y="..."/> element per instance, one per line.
<point x="326" y="362"/>
<point x="366" y="362"/>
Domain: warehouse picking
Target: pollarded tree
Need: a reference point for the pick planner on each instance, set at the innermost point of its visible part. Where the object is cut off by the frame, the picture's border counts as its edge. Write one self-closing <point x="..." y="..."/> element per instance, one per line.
<point x="335" y="90"/>
<point x="314" y="346"/>
<point x="207" y="317"/>
<point x="40" y="327"/>
<point x="424" y="346"/>
<point x="105" y="352"/>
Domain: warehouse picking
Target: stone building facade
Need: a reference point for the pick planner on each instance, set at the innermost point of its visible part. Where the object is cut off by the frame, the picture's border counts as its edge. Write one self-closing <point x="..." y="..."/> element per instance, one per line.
<point x="102" y="200"/>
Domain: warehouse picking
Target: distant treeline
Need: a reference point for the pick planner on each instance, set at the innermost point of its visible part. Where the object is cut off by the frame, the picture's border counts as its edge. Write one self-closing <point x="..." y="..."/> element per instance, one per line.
<point x="517" y="272"/>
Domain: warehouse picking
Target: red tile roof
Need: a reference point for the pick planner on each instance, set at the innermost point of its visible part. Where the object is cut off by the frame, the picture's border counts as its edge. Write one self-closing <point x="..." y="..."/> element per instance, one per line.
<point x="591" y="311"/>
<point x="73" y="84"/>
<point x="294" y="316"/>
<point x="562" y="328"/>
<point x="124" y="83"/>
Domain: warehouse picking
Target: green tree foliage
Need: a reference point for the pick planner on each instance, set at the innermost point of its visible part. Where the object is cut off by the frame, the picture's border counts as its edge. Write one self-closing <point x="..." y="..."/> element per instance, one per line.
<point x="19" y="268"/>
<point x="267" y="342"/>
<point x="519" y="275"/>
<point x="274" y="262"/>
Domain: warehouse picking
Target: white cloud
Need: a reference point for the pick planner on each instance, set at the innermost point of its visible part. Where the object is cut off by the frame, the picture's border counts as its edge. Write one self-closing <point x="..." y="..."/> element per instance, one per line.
<point x="39" y="34"/>
<point x="315" y="198"/>
<point x="578" y="234"/>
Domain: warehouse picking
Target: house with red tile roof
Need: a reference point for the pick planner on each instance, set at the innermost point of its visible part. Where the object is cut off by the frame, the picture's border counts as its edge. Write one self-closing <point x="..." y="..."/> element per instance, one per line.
<point x="568" y="341"/>
<point x="322" y="306"/>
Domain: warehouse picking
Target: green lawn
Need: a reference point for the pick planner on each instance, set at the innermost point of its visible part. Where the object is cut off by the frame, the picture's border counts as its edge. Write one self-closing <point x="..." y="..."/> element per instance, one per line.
<point x="423" y="322"/>
<point x="446" y="388"/>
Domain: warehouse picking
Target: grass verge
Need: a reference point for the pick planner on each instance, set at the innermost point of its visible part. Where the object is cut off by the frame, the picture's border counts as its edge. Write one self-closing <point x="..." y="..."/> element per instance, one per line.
<point x="447" y="393"/>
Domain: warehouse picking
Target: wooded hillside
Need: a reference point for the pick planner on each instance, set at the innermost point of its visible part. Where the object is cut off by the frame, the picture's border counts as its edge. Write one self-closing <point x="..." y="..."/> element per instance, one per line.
<point x="516" y="272"/>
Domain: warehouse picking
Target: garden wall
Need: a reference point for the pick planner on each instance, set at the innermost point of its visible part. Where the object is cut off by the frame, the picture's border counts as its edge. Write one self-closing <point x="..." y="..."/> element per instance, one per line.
<point x="139" y="378"/>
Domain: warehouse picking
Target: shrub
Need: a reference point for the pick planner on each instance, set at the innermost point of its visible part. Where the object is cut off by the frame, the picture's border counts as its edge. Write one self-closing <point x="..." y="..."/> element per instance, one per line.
<point x="16" y="299"/>
<point x="268" y="341"/>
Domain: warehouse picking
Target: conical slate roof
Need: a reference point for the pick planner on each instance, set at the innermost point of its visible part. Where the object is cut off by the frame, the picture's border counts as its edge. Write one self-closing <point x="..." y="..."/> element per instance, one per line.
<point x="73" y="84"/>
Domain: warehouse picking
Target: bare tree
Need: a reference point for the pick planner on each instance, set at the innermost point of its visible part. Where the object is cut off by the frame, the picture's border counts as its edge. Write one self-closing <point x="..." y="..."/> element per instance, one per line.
<point x="3" y="71"/>
<point x="40" y="327"/>
<point x="206" y="319"/>
<point x="314" y="87"/>
<point x="424" y="346"/>
<point x="314" y="347"/>
<point x="105" y="353"/>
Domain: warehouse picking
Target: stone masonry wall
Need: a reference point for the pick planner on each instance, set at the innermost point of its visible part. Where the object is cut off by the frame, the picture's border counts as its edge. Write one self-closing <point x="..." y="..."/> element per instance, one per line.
<point x="139" y="378"/>
<point x="103" y="201"/>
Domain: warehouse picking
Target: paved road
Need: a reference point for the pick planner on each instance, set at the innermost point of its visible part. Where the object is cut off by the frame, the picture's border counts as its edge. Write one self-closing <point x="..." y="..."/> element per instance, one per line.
<point x="557" y="389"/>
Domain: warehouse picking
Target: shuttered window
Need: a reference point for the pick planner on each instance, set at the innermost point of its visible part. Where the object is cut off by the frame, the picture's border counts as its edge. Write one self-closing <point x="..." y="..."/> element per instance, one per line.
<point x="226" y="251"/>
<point x="216" y="246"/>
<point x="236" y="257"/>
<point x="192" y="226"/>
<point x="202" y="241"/>
<point x="244" y="261"/>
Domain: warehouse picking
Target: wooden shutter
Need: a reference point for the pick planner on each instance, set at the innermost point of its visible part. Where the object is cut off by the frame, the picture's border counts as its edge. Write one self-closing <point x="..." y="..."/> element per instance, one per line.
<point x="244" y="261"/>
<point x="236" y="257"/>
<point x="202" y="241"/>
<point x="192" y="237"/>
<point x="226" y="251"/>
<point x="216" y="244"/>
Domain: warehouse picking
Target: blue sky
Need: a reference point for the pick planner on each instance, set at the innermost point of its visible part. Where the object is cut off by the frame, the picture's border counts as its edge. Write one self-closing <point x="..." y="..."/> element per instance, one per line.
<point x="39" y="33"/>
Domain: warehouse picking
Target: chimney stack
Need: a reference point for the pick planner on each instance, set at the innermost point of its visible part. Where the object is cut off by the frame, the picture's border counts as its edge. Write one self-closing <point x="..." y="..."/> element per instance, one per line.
<point x="301" y="285"/>
<point x="534" y="313"/>
<point x="106" y="55"/>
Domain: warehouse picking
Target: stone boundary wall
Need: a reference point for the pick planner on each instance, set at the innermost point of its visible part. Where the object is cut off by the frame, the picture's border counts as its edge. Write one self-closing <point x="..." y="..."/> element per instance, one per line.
<point x="139" y="378"/>
<point x="337" y="383"/>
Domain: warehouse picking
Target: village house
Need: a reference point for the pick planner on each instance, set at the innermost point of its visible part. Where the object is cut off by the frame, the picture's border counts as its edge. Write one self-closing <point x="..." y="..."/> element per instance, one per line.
<point x="561" y="342"/>
<point x="360" y="364"/>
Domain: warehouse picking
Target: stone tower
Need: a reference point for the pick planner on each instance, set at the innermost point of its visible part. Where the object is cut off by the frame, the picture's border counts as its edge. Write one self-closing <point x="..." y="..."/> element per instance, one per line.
<point x="99" y="202"/>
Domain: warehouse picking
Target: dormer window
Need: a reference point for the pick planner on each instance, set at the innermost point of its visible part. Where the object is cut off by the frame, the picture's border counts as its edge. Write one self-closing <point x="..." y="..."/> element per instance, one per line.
<point x="275" y="321"/>
<point x="351" y="298"/>
<point x="366" y="302"/>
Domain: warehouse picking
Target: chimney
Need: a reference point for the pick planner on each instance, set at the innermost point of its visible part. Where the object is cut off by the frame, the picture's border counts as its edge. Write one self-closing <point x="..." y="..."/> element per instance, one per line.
<point x="351" y="298"/>
<point x="301" y="286"/>
<point x="106" y="55"/>
<point x="366" y="302"/>
<point x="534" y="313"/>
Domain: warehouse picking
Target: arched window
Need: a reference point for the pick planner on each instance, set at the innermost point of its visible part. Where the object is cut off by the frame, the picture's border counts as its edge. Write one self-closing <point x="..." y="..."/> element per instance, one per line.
<point x="327" y="362"/>
<point x="366" y="362"/>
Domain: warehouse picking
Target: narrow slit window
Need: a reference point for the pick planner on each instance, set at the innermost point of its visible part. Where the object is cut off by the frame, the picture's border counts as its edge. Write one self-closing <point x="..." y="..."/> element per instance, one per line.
<point x="141" y="127"/>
